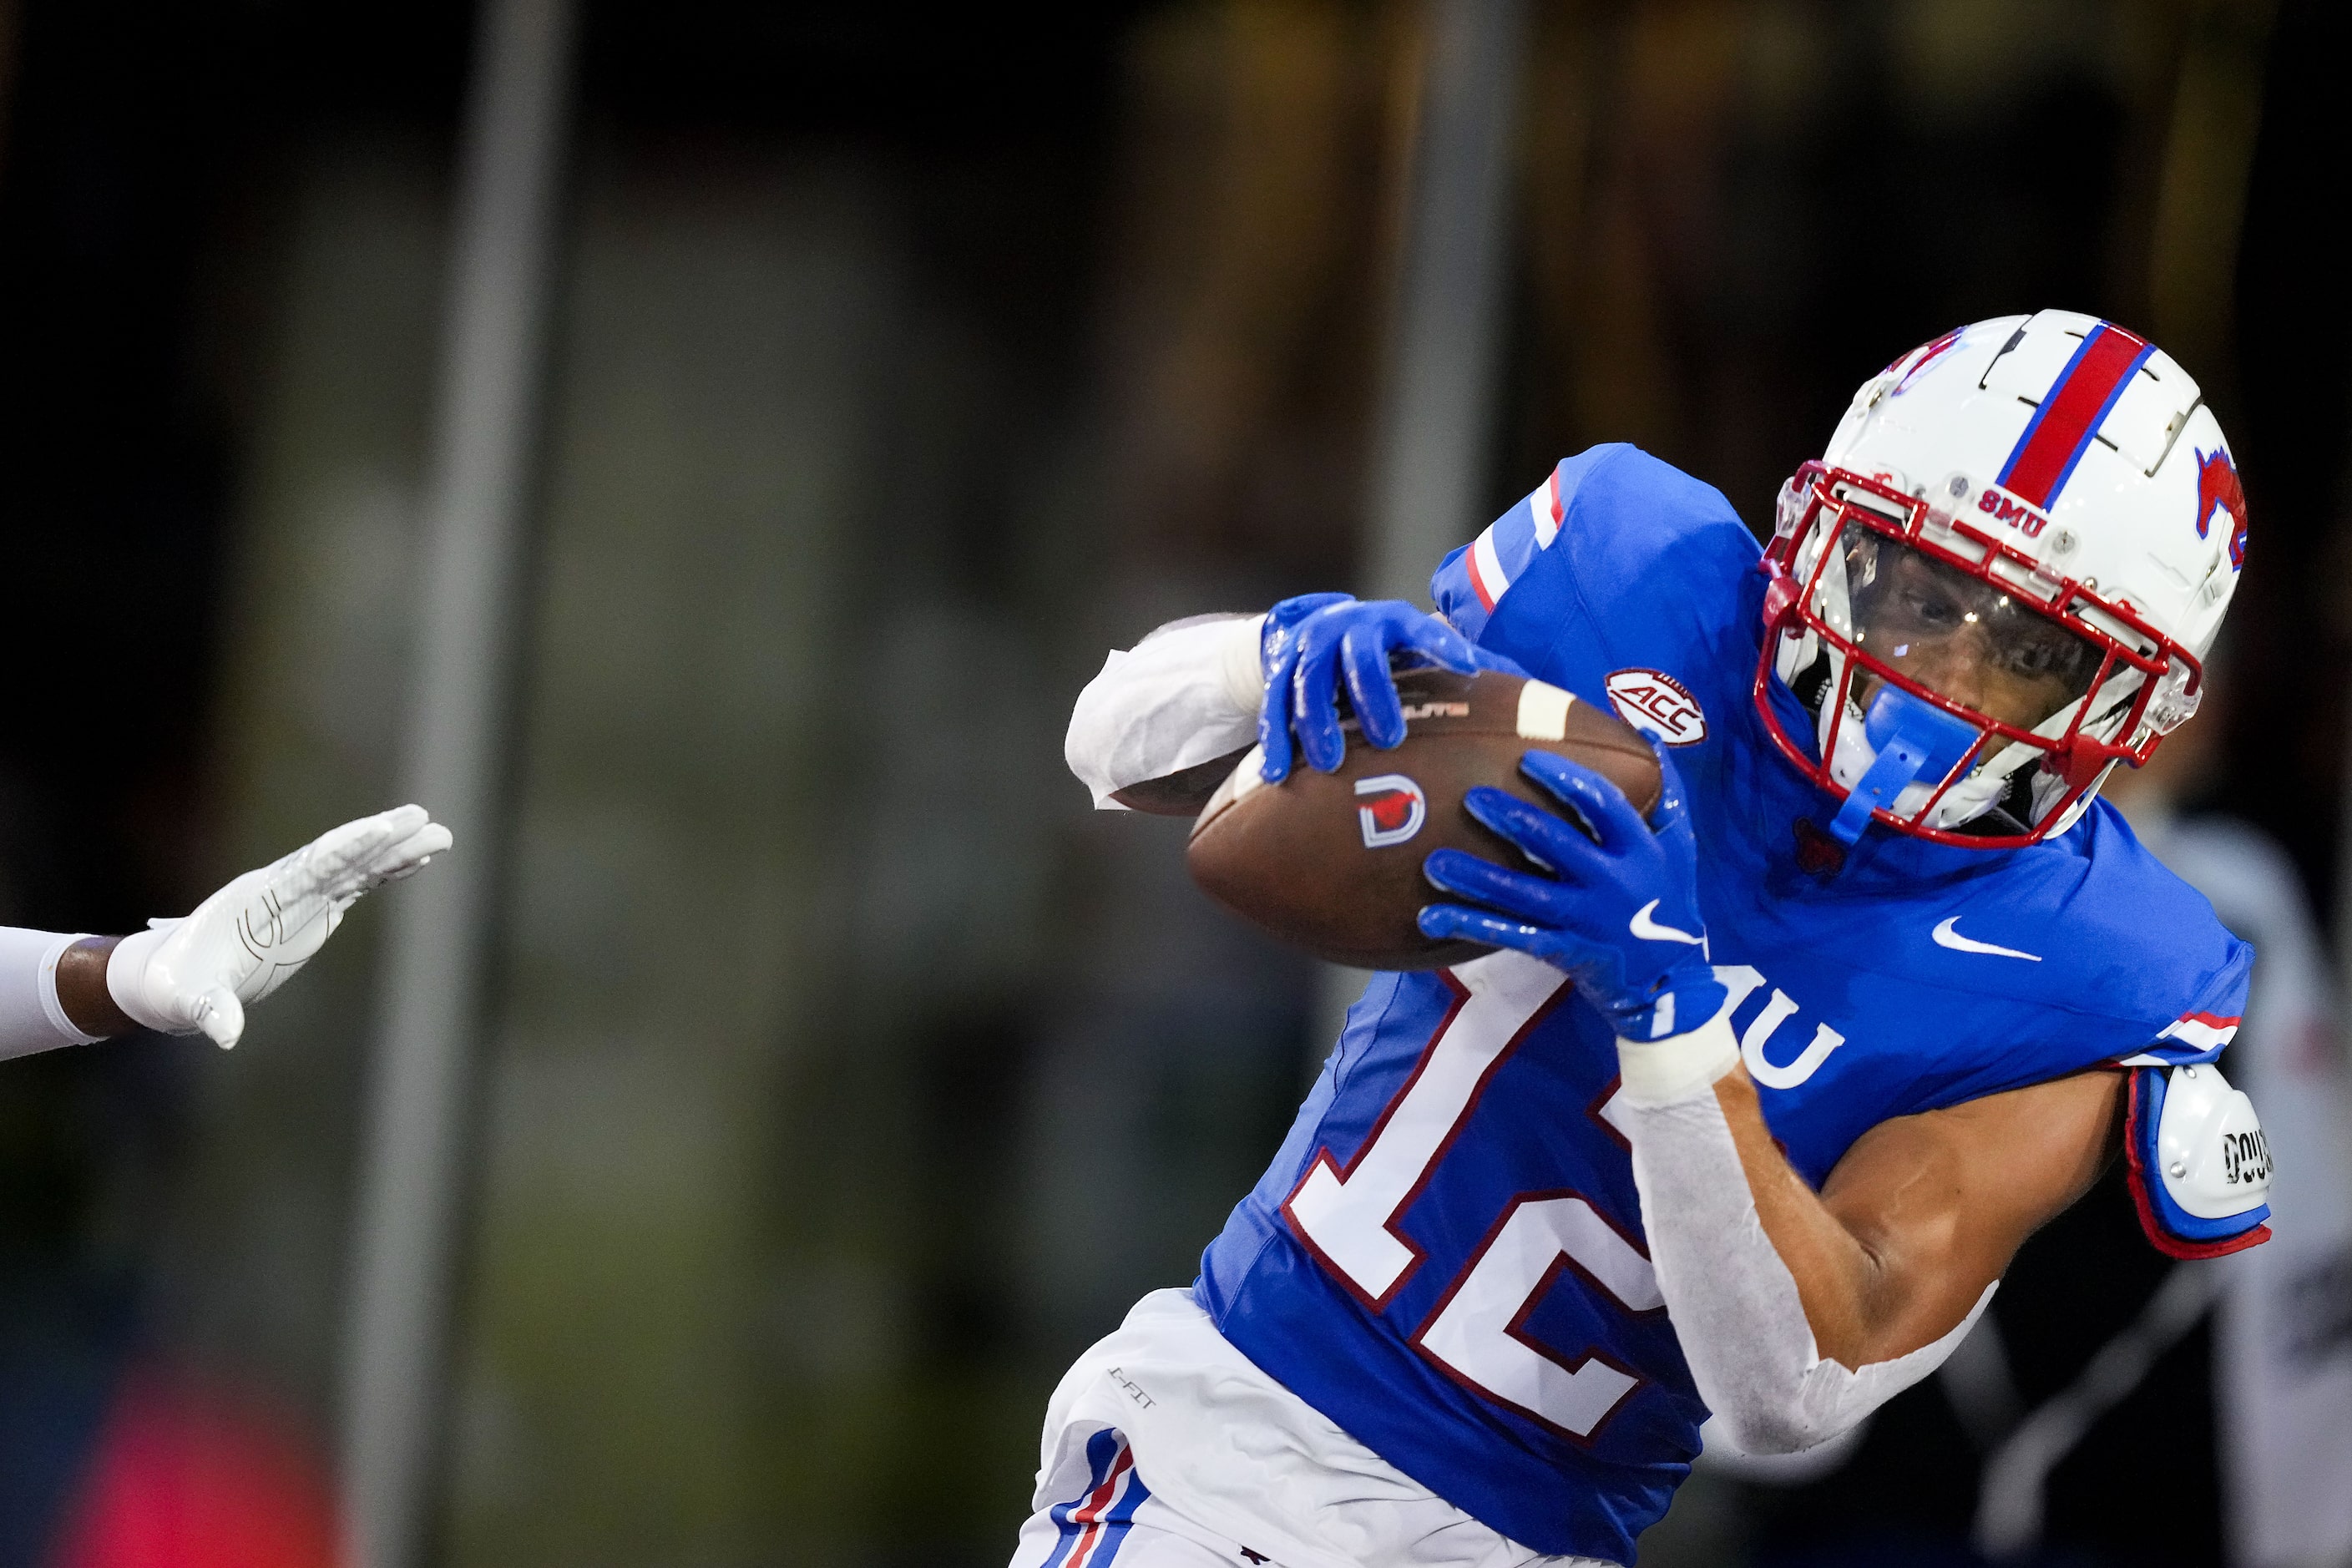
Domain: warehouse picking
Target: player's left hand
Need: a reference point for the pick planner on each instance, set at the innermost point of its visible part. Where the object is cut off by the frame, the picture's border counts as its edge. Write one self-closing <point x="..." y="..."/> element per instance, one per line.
<point x="201" y="971"/>
<point x="1619" y="911"/>
<point x="1305" y="658"/>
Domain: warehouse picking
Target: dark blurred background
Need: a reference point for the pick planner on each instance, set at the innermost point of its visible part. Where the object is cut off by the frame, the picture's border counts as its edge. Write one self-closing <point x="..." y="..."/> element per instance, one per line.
<point x="844" y="1073"/>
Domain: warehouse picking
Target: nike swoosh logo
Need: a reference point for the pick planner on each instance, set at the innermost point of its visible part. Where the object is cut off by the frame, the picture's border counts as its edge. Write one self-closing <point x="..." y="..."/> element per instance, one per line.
<point x="1948" y="937"/>
<point x="1648" y="930"/>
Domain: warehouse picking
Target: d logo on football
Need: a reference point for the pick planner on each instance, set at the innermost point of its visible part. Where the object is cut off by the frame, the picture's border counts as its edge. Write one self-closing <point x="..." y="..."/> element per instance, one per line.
<point x="1389" y="809"/>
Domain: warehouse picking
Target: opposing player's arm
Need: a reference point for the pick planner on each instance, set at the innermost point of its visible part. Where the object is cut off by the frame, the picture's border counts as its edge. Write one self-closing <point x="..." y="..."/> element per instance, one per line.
<point x="81" y="988"/>
<point x="200" y="972"/>
<point x="1924" y="1211"/>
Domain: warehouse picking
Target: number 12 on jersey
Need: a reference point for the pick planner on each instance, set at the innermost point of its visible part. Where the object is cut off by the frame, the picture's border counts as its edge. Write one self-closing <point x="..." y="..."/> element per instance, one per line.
<point x="1348" y="1218"/>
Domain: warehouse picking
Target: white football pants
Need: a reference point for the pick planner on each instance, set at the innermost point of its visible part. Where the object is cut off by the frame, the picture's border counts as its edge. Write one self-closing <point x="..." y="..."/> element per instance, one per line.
<point x="1109" y="1519"/>
<point x="1241" y="1472"/>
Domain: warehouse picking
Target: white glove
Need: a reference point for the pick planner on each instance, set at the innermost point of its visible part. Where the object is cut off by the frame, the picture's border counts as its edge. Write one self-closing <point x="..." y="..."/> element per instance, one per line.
<point x="202" y="972"/>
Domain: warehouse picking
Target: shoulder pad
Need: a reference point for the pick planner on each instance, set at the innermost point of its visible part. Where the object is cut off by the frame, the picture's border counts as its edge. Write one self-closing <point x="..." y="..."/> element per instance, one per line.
<point x="2200" y="1167"/>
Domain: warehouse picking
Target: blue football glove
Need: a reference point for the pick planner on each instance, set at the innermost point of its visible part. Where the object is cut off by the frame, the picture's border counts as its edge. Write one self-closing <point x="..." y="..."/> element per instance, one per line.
<point x="1618" y="911"/>
<point x="1313" y="642"/>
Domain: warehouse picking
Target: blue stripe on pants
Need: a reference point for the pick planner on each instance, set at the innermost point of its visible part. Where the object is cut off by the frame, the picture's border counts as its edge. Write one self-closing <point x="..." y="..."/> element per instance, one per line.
<point x="1121" y="1519"/>
<point x="1102" y="1451"/>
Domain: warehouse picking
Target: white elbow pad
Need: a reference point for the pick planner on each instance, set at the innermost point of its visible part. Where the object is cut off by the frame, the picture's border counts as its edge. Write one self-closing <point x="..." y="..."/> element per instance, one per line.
<point x="2200" y="1168"/>
<point x="1187" y="694"/>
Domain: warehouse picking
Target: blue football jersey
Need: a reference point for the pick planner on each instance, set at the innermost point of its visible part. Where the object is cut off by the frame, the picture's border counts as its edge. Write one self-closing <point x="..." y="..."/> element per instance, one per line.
<point x="1447" y="1257"/>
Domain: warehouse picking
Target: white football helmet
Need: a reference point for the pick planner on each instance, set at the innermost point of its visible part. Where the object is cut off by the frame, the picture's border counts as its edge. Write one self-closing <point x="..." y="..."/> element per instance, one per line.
<point x="1999" y="580"/>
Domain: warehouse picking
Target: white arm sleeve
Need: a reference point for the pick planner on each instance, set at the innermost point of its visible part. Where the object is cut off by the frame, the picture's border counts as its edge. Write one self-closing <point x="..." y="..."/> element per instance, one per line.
<point x="1184" y="696"/>
<point x="31" y="1017"/>
<point x="1733" y="1301"/>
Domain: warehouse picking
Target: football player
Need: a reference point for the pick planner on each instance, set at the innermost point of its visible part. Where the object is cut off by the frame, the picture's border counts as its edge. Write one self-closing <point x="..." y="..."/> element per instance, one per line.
<point x="199" y="973"/>
<point x="1755" y="1099"/>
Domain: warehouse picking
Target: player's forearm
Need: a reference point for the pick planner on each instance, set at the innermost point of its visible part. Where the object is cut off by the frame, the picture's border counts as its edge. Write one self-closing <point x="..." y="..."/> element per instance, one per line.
<point x="1850" y="1296"/>
<point x="1185" y="695"/>
<point x="1746" y="1326"/>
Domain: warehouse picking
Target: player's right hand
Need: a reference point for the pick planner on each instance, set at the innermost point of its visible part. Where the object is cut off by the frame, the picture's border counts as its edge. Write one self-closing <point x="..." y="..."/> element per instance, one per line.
<point x="1313" y="642"/>
<point x="1619" y="909"/>
<point x="200" y="973"/>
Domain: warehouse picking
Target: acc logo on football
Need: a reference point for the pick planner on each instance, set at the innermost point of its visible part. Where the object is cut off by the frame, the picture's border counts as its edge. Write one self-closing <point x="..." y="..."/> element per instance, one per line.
<point x="1389" y="809"/>
<point x="1653" y="701"/>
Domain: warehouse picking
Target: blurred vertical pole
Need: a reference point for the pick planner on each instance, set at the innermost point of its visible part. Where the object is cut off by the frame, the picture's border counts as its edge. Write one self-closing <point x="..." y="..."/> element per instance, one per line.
<point x="1437" y="415"/>
<point x="1436" y="432"/>
<point x="485" y="434"/>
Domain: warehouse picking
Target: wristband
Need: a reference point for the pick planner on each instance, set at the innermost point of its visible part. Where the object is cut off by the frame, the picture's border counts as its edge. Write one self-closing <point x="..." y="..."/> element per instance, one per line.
<point x="46" y="989"/>
<point x="1659" y="1072"/>
<point x="1240" y="665"/>
<point x="125" y="968"/>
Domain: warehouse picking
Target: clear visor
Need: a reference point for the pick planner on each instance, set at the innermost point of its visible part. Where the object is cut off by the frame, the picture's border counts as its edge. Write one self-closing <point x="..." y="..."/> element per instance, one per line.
<point x="1958" y="636"/>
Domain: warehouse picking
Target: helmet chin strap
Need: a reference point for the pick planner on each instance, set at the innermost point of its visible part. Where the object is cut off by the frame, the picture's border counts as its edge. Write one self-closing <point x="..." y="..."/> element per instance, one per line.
<point x="1913" y="738"/>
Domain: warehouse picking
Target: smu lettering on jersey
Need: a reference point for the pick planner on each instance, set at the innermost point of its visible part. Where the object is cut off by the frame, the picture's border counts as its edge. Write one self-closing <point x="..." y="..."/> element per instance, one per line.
<point x="1447" y="1257"/>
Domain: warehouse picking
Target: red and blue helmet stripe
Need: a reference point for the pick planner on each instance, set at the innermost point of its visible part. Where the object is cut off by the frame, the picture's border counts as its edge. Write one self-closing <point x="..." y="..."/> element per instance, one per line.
<point x="2071" y="413"/>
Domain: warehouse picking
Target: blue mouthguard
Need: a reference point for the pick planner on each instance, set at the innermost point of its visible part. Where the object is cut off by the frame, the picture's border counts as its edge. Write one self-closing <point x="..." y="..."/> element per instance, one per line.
<point x="1913" y="738"/>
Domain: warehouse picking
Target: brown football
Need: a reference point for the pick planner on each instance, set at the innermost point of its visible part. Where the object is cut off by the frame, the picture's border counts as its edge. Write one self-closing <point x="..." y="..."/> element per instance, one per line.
<point x="1331" y="862"/>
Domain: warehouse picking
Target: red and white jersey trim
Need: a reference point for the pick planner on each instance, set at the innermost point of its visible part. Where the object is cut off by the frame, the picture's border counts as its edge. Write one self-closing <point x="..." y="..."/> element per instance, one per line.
<point x="1487" y="572"/>
<point x="2206" y="1031"/>
<point x="1510" y="542"/>
<point x="1544" y="509"/>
